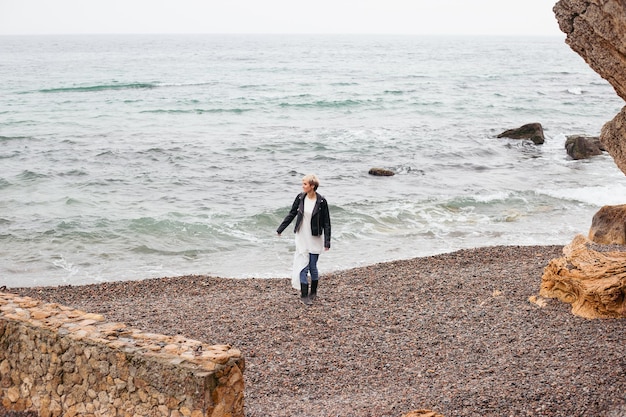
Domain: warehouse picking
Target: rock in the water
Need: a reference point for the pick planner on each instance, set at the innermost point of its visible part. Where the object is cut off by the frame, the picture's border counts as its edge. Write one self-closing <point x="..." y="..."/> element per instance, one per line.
<point x="583" y="147"/>
<point x="589" y="278"/>
<point x="532" y="131"/>
<point x="381" y="172"/>
<point x="596" y="30"/>
<point x="608" y="226"/>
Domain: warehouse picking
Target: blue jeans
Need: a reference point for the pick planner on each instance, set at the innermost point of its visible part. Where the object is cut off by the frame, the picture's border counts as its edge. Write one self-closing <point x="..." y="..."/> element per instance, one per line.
<point x="312" y="266"/>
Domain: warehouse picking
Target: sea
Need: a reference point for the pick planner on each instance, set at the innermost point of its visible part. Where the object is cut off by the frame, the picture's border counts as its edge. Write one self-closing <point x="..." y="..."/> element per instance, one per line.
<point x="128" y="157"/>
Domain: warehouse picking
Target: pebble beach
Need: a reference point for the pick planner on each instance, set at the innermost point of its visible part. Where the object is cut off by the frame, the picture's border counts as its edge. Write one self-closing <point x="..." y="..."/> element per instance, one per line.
<point x="454" y="333"/>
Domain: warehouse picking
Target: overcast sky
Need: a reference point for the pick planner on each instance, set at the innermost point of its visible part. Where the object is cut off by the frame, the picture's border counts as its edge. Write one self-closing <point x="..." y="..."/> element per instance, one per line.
<point x="453" y="17"/>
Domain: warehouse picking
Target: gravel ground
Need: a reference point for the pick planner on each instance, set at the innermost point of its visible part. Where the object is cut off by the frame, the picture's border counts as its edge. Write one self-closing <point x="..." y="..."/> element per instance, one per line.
<point x="454" y="333"/>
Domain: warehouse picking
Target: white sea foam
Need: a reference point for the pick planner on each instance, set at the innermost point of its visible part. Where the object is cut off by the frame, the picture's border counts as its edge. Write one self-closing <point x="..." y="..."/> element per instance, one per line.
<point x="593" y="196"/>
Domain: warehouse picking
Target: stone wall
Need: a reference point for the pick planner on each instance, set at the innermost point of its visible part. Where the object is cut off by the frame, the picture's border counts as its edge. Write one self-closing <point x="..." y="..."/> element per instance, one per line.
<point x="59" y="361"/>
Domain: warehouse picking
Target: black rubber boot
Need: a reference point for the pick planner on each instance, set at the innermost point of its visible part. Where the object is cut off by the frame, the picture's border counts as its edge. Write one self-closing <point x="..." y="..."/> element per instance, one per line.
<point x="304" y="294"/>
<point x="313" y="294"/>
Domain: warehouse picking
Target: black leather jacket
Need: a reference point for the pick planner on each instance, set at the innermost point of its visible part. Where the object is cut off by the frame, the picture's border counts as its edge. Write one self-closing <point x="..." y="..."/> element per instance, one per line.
<point x="320" y="219"/>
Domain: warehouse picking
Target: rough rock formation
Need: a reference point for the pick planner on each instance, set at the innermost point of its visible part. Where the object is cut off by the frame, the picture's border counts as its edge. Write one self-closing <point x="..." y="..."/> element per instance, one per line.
<point x="613" y="137"/>
<point x="590" y="277"/>
<point x="596" y="30"/>
<point x="583" y="147"/>
<point x="532" y="131"/>
<point x="592" y="280"/>
<point x="608" y="226"/>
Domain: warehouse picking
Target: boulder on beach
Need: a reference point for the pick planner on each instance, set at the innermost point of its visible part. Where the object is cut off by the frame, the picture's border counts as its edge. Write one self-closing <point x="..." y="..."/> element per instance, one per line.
<point x="381" y="172"/>
<point x="583" y="147"/>
<point x="590" y="277"/>
<point x="531" y="131"/>
<point x="608" y="226"/>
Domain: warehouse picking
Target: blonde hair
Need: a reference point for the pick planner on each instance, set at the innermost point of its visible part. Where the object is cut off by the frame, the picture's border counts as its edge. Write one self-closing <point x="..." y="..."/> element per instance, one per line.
<point x="312" y="180"/>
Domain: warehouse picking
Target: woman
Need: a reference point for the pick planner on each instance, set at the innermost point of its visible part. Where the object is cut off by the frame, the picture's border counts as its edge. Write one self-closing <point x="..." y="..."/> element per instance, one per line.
<point x="312" y="236"/>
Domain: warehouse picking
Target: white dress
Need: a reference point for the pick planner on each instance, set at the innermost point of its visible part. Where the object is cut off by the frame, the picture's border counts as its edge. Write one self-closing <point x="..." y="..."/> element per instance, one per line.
<point x="305" y="243"/>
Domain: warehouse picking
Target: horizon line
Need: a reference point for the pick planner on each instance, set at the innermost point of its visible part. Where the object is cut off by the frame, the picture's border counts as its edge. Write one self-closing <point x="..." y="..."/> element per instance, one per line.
<point x="284" y="34"/>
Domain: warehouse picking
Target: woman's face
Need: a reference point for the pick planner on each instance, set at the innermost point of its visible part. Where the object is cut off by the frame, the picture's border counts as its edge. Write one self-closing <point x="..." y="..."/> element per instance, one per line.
<point x="306" y="187"/>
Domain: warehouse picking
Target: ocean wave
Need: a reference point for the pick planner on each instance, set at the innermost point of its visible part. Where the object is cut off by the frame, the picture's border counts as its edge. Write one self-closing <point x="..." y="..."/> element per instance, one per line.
<point x="165" y="236"/>
<point x="335" y="104"/>
<point x="404" y="217"/>
<point x="253" y="86"/>
<point x="593" y="196"/>
<point x="10" y="155"/>
<point x="180" y="230"/>
<point x="102" y="87"/>
<point x="118" y="86"/>
<point x="186" y="253"/>
<point x="492" y="197"/>
<point x="72" y="201"/>
<point x="192" y="84"/>
<point x="196" y="111"/>
<point x="14" y="138"/>
<point x="28" y="175"/>
<point x="74" y="173"/>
